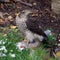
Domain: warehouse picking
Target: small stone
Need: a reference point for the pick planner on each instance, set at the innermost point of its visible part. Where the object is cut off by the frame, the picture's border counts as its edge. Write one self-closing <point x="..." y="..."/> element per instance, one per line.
<point x="34" y="4"/>
<point x="10" y="17"/>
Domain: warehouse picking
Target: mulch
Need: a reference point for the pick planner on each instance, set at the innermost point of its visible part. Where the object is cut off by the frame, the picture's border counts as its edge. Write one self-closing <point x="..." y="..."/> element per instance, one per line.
<point x="47" y="18"/>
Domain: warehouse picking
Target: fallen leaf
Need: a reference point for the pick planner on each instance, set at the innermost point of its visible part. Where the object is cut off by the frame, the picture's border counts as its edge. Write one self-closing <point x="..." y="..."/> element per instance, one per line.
<point x="1" y="20"/>
<point x="58" y="54"/>
<point x="35" y="14"/>
<point x="5" y="35"/>
<point x="10" y="17"/>
<point x="13" y="27"/>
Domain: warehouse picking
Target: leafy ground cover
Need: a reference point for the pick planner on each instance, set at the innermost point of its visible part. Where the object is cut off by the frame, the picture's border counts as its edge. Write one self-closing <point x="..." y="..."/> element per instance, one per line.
<point x="9" y="51"/>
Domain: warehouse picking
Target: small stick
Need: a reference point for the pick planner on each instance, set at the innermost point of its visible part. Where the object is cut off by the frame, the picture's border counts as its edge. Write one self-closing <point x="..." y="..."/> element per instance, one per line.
<point x="25" y="3"/>
<point x="28" y="4"/>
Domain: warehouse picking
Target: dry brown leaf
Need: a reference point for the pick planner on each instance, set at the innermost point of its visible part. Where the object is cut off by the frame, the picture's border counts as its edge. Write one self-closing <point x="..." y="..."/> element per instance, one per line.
<point x="10" y="17"/>
<point x="34" y="14"/>
<point x="13" y="27"/>
<point x="1" y="20"/>
<point x="58" y="54"/>
<point x="5" y="35"/>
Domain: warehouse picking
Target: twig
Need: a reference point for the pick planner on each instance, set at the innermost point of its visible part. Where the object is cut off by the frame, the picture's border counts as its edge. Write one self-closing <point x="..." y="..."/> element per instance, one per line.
<point x="25" y="3"/>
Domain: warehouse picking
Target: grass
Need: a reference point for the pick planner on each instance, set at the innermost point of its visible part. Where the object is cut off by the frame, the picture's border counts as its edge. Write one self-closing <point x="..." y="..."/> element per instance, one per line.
<point x="8" y="39"/>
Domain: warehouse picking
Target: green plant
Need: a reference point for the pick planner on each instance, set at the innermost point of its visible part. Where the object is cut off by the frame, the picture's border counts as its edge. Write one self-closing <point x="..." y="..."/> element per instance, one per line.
<point x="9" y="41"/>
<point x="52" y="39"/>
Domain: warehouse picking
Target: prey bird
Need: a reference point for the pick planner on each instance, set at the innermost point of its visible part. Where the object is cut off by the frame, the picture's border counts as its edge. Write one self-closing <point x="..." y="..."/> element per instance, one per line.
<point x="29" y="29"/>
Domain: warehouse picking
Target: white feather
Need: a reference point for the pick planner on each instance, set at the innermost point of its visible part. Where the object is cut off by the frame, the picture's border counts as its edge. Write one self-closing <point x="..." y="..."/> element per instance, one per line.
<point x="29" y="35"/>
<point x="39" y="37"/>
